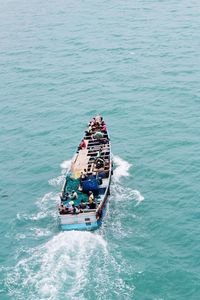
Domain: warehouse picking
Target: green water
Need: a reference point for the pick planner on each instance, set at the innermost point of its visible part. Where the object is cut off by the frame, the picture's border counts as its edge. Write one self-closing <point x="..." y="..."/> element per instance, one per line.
<point x="137" y="64"/>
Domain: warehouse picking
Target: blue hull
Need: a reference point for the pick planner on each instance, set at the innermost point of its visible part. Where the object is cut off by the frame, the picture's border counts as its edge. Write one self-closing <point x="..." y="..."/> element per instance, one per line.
<point x="83" y="226"/>
<point x="66" y="227"/>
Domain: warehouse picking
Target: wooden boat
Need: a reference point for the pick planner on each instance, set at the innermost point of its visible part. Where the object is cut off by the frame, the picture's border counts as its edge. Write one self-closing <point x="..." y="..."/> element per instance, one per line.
<point x="87" y="183"/>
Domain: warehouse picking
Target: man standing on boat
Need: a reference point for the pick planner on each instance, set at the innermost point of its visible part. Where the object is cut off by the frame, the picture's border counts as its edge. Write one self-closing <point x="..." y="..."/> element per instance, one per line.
<point x="92" y="204"/>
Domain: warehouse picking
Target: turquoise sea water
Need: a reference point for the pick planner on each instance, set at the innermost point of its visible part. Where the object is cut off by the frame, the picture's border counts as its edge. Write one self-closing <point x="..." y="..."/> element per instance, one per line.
<point x="136" y="63"/>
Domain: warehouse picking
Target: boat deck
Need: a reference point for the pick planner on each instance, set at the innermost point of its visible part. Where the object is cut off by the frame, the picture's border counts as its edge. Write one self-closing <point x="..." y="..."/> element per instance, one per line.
<point x="84" y="158"/>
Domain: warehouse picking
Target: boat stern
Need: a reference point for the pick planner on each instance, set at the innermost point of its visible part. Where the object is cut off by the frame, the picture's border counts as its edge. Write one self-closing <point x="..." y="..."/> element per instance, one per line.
<point x="81" y="221"/>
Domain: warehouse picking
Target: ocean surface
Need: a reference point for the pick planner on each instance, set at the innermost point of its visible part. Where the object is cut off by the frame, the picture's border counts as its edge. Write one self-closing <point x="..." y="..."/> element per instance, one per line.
<point x="137" y="63"/>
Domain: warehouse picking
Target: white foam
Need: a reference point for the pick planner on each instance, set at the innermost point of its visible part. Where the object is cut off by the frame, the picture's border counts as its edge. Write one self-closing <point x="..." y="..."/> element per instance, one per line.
<point x="20" y="236"/>
<point x="56" y="197"/>
<point x="57" y="180"/>
<point x="34" y="232"/>
<point x="42" y="203"/>
<point x="46" y="206"/>
<point x="122" y="168"/>
<point x="65" y="266"/>
<point x="65" y="164"/>
<point x="122" y="192"/>
<point x="138" y="197"/>
<point x="62" y="263"/>
<point x="39" y="232"/>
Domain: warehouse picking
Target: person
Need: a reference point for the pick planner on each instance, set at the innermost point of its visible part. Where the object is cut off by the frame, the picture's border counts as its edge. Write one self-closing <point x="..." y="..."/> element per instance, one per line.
<point x="98" y="119"/>
<point x="104" y="140"/>
<point x="82" y="176"/>
<point x="91" y="197"/>
<point x="82" y="145"/>
<point x="94" y="121"/>
<point x="82" y="205"/>
<point x="98" y="135"/>
<point x="91" y="126"/>
<point x="74" y="195"/>
<point x="89" y="129"/>
<point x="99" y="163"/>
<point x="104" y="128"/>
<point x="75" y="210"/>
<point x="92" y="205"/>
<point x="65" y="197"/>
<point x="70" y="207"/>
<point x="99" y="152"/>
<point x="91" y="202"/>
<point x="63" y="209"/>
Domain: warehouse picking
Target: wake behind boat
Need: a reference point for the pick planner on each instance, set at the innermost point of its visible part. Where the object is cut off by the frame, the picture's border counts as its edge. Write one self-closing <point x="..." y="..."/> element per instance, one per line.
<point x="87" y="183"/>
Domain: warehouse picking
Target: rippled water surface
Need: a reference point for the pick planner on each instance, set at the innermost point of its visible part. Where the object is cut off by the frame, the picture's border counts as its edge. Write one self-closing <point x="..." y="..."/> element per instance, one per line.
<point x="137" y="63"/>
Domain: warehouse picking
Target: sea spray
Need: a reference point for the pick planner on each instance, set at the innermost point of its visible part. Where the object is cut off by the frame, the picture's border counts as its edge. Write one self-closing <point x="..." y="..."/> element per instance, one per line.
<point x="119" y="190"/>
<point x="121" y="169"/>
<point x="59" y="265"/>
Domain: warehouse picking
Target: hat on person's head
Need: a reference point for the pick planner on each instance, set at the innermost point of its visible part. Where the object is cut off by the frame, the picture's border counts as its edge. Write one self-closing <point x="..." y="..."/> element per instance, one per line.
<point x="71" y="202"/>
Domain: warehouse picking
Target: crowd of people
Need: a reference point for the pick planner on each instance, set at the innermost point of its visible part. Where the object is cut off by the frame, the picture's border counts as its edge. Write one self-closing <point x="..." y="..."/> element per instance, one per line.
<point x="96" y="127"/>
<point x="97" y="124"/>
<point x="70" y="208"/>
<point x="67" y="196"/>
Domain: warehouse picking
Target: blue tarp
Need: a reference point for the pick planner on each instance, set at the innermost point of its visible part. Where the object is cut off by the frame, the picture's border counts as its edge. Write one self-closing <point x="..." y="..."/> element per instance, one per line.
<point x="90" y="185"/>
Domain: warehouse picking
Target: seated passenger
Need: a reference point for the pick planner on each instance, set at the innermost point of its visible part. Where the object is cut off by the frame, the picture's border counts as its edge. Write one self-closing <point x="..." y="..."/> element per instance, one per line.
<point x="74" y="195"/>
<point x="104" y="140"/>
<point x="63" y="209"/>
<point x="104" y="128"/>
<point x="89" y="130"/>
<point x="91" y="202"/>
<point x="82" y="205"/>
<point x="99" y="153"/>
<point x="65" y="197"/>
<point x="92" y="205"/>
<point x="82" y="176"/>
<point x="92" y="122"/>
<point x="98" y="119"/>
<point x="99" y="163"/>
<point x="91" y="197"/>
<point x="75" y="210"/>
<point x="82" y="145"/>
<point x="98" y="135"/>
<point x="91" y="126"/>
